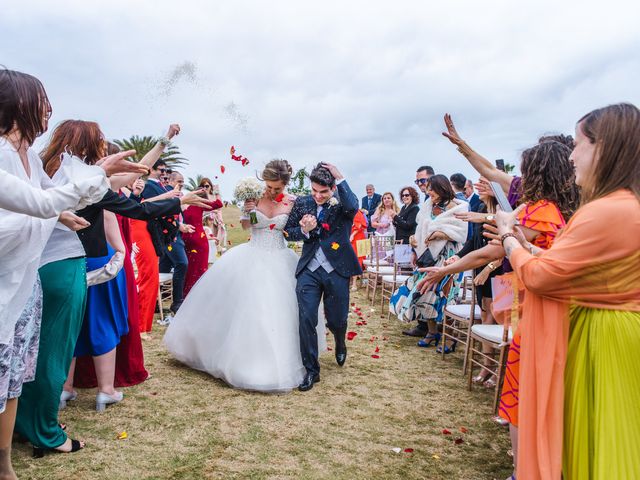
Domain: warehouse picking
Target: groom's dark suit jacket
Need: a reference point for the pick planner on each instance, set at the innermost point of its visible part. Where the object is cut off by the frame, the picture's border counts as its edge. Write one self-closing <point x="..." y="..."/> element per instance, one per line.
<point x="334" y="242"/>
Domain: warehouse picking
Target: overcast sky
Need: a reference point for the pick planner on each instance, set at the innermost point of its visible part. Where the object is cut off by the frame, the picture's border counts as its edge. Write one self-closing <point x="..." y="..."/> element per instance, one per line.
<point x="360" y="84"/>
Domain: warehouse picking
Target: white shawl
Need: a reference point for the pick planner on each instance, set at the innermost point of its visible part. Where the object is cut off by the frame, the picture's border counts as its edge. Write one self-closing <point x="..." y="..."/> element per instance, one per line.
<point x="446" y="223"/>
<point x="23" y="238"/>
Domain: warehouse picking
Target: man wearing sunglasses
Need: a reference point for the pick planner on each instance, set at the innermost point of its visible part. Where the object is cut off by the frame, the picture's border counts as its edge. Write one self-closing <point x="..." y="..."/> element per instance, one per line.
<point x="423" y="174"/>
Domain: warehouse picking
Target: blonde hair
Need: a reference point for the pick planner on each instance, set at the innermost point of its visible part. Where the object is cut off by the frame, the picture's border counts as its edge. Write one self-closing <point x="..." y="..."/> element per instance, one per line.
<point x="380" y="210"/>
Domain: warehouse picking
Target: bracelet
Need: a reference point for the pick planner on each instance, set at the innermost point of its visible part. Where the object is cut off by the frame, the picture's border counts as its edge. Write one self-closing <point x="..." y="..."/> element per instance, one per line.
<point x="507" y="235"/>
<point x="164" y="141"/>
<point x="491" y="266"/>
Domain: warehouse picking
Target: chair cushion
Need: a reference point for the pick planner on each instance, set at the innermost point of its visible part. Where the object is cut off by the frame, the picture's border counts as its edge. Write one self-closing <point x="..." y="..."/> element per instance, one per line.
<point x="381" y="270"/>
<point x="166" y="277"/>
<point x="399" y="278"/>
<point x="369" y="263"/>
<point x="463" y="311"/>
<point x="491" y="333"/>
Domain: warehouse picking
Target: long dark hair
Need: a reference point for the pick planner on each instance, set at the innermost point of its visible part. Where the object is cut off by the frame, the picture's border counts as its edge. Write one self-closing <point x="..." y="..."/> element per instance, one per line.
<point x="616" y="132"/>
<point x="548" y="174"/>
<point x="23" y="104"/>
<point x="441" y="185"/>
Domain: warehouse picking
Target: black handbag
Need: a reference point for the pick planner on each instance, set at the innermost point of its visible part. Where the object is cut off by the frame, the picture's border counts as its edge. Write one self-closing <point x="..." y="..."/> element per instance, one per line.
<point x="426" y="259"/>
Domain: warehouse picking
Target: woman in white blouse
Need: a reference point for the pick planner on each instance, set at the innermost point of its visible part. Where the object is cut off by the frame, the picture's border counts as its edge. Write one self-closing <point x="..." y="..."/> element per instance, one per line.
<point x="24" y="115"/>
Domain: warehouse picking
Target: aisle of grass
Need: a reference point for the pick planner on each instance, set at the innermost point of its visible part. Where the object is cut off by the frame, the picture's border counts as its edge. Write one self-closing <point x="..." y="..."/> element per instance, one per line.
<point x="183" y="424"/>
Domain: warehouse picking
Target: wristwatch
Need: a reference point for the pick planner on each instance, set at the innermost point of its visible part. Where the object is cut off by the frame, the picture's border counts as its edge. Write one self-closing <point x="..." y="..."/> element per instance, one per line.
<point x="490" y="217"/>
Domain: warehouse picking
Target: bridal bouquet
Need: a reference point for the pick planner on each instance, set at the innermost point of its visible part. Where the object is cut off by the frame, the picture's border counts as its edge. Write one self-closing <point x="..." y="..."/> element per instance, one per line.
<point x="249" y="189"/>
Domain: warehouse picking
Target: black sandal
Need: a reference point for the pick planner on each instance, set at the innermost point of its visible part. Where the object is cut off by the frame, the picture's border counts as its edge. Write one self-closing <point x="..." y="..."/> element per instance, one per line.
<point x="39" y="452"/>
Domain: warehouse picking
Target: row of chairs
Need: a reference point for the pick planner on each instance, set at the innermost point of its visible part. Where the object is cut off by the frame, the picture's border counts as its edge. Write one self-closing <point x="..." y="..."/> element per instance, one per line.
<point x="387" y="270"/>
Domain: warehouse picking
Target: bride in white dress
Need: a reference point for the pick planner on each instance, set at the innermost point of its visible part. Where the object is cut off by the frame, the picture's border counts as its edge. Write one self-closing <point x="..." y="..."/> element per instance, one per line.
<point x="239" y="323"/>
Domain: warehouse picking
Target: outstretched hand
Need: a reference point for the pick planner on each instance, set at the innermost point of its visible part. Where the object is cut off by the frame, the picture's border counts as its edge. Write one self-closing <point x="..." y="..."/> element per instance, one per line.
<point x="434" y="275"/>
<point x="451" y="133"/>
<point x="118" y="163"/>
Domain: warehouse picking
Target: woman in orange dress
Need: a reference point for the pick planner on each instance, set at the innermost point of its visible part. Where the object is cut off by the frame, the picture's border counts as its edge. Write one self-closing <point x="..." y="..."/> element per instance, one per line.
<point x="580" y="380"/>
<point x="358" y="232"/>
<point x="545" y="209"/>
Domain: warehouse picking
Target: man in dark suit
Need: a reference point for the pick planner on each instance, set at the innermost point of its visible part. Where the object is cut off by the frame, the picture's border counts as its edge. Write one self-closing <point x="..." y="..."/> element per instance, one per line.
<point x="472" y="197"/>
<point x="323" y="221"/>
<point x="370" y="202"/>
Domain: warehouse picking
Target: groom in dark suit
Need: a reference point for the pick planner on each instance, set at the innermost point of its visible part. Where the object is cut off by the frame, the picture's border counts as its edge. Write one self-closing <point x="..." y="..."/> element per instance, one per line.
<point x="323" y="221"/>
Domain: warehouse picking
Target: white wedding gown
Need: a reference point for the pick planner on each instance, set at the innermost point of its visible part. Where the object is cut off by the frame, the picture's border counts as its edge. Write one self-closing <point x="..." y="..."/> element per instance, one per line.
<point x="239" y="322"/>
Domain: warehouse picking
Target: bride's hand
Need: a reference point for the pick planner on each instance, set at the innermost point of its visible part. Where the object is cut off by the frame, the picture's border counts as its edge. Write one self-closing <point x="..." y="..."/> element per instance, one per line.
<point x="249" y="206"/>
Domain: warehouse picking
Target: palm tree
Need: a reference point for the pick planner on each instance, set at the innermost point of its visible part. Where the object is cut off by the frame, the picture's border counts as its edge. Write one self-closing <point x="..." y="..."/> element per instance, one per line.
<point x="298" y="183"/>
<point x="508" y="167"/>
<point x="142" y="145"/>
<point x="192" y="183"/>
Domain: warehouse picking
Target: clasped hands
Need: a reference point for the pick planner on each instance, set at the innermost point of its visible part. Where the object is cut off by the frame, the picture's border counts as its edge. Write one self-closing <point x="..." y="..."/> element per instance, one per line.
<point x="308" y="223"/>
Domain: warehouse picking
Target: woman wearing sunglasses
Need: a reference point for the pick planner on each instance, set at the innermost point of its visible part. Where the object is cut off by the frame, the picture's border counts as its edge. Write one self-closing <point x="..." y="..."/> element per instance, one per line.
<point x="405" y="221"/>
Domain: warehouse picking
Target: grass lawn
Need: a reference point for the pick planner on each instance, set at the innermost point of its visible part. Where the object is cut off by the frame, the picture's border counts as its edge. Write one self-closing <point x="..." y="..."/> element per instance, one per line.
<point x="183" y="424"/>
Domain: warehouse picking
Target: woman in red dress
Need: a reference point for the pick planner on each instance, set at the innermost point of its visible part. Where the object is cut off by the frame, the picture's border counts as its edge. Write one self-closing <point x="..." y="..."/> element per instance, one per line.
<point x="129" y="355"/>
<point x="358" y="232"/>
<point x="196" y="244"/>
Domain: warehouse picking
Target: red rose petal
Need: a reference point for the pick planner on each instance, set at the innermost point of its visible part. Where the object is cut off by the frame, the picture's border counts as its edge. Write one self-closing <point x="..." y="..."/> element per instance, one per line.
<point x="358" y="324"/>
<point x="408" y="450"/>
<point x="326" y="226"/>
<point x="446" y="432"/>
<point x="233" y="150"/>
<point x="279" y="197"/>
<point x="459" y="441"/>
<point x="222" y="168"/>
<point x="351" y="335"/>
<point x="272" y="226"/>
<point x="377" y="349"/>
<point x="375" y="356"/>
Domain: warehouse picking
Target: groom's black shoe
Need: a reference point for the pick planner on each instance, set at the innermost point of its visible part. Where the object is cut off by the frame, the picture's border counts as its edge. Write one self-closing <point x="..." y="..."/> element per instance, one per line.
<point x="341" y="349"/>
<point x="309" y="380"/>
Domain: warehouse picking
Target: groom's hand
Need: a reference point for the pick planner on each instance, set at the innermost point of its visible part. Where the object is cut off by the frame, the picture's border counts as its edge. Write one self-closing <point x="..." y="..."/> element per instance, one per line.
<point x="333" y="170"/>
<point x="308" y="223"/>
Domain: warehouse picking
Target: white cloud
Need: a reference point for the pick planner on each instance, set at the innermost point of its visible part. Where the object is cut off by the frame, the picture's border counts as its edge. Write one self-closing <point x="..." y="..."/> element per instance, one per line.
<point x="361" y="84"/>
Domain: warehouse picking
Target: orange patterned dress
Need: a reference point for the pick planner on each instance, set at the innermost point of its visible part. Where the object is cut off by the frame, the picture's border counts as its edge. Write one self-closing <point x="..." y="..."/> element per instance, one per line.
<point x="543" y="217"/>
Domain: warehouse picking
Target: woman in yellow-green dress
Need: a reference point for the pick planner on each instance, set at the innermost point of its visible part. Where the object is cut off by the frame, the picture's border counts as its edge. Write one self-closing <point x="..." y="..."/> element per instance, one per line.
<point x="580" y="365"/>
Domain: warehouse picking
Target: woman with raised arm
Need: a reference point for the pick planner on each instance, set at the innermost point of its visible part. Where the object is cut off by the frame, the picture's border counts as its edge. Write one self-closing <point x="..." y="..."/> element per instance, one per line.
<point x="580" y="380"/>
<point x="550" y="197"/>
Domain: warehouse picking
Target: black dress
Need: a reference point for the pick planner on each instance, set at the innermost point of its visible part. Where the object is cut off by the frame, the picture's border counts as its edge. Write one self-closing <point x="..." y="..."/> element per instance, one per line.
<point x="405" y="222"/>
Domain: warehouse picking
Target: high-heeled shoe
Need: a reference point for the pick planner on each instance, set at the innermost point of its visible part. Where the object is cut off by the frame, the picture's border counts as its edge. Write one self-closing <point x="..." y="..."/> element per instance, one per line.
<point x="65" y="397"/>
<point x="429" y="339"/>
<point x="39" y="452"/>
<point x="447" y="349"/>
<point x="483" y="377"/>
<point x="102" y="400"/>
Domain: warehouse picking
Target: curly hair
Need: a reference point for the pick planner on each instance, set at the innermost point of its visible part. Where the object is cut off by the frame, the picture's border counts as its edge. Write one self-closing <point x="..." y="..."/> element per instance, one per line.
<point x="548" y="174"/>
<point x="557" y="137"/>
<point x="413" y="192"/>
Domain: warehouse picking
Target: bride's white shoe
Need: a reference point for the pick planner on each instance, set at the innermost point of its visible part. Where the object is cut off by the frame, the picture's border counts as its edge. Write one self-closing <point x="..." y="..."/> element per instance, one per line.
<point x="102" y="400"/>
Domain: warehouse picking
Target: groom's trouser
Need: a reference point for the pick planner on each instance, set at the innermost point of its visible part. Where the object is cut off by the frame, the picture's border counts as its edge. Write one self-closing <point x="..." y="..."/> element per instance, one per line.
<point x="310" y="289"/>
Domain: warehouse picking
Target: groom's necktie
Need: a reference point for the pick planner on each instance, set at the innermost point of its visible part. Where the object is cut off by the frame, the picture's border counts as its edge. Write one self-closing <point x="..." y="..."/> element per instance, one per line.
<point x="321" y="214"/>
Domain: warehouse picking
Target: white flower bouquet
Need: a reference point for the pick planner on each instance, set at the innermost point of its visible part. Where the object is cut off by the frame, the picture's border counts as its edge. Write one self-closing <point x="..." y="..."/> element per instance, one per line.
<point x="249" y="189"/>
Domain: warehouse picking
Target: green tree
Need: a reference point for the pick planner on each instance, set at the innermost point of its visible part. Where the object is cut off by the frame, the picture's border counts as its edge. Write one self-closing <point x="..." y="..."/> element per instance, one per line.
<point x="192" y="183"/>
<point x="142" y="145"/>
<point x="299" y="183"/>
<point x="509" y="168"/>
